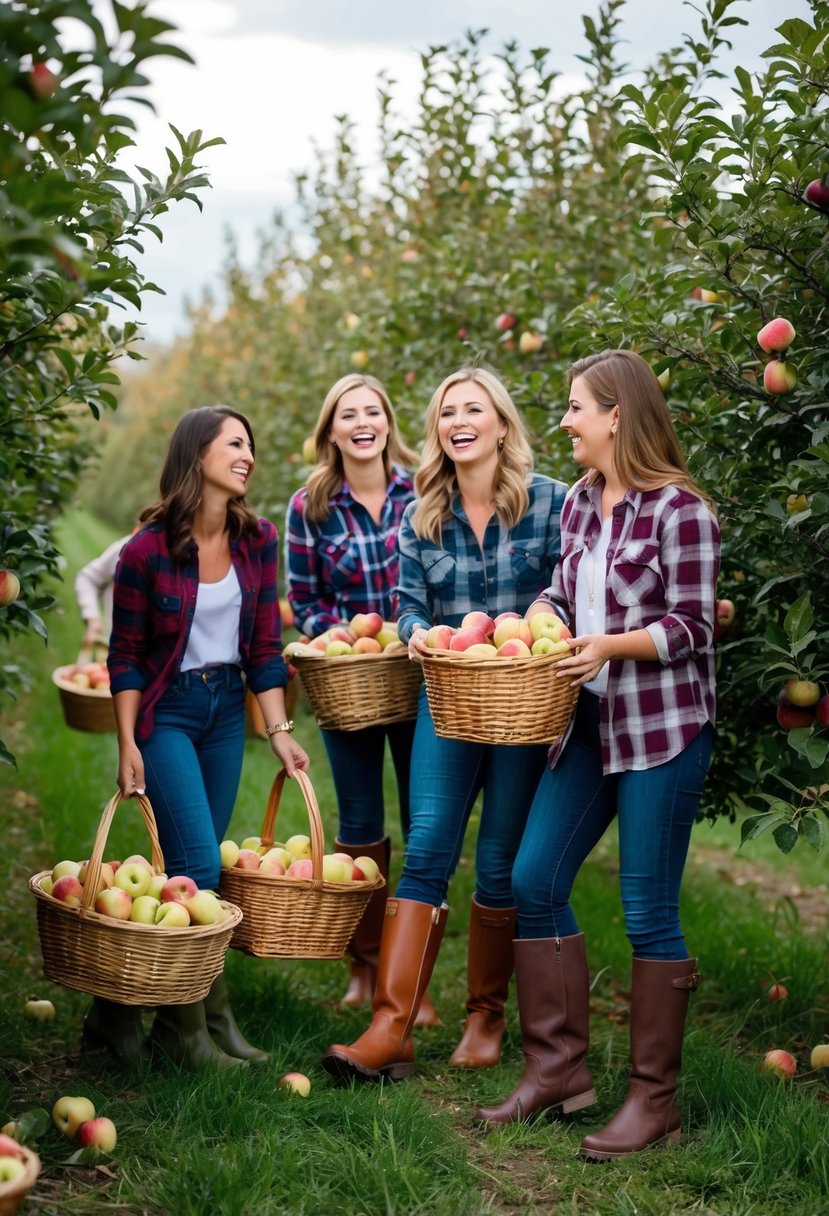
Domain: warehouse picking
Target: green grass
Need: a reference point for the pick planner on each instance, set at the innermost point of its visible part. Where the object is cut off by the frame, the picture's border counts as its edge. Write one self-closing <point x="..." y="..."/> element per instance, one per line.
<point x="237" y="1144"/>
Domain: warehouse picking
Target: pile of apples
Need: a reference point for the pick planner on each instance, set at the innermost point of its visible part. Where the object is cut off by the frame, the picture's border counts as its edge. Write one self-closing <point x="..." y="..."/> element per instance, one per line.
<point x="293" y="860"/>
<point x="132" y="890"/>
<point x="507" y="636"/>
<point x="75" y="1117"/>
<point x="88" y="675"/>
<point x="12" y="1161"/>
<point x="800" y="703"/>
<point x="365" y="633"/>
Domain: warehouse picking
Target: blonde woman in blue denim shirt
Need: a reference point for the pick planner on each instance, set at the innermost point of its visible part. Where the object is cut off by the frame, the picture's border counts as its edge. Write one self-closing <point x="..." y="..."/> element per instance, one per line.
<point x="483" y="535"/>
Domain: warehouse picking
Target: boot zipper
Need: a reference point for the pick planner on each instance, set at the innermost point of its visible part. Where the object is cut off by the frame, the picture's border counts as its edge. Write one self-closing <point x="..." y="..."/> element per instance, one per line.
<point x="558" y="949"/>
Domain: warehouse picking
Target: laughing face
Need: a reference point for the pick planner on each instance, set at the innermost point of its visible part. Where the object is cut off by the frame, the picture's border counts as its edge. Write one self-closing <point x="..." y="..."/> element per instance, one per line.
<point x="228" y="461"/>
<point x="590" y="428"/>
<point x="469" y="426"/>
<point x="359" y="426"/>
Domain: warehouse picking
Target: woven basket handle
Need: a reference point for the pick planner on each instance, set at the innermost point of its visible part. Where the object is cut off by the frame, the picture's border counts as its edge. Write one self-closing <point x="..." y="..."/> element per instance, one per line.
<point x="93" y="871"/>
<point x="314" y="817"/>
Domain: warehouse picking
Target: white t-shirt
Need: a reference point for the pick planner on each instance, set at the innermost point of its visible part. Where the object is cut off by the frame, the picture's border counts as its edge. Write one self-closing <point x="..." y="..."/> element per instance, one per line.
<point x="590" y="597"/>
<point x="214" y="634"/>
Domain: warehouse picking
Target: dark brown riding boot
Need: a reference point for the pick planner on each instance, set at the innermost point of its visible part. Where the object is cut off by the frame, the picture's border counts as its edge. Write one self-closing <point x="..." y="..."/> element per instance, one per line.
<point x="364" y="947"/>
<point x="411" y="939"/>
<point x="649" y="1114"/>
<point x="553" y="988"/>
<point x="488" y="970"/>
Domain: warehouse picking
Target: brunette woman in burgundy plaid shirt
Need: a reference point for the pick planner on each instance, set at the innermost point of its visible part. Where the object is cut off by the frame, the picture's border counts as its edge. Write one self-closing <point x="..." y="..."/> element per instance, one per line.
<point x="342" y="559"/>
<point x="637" y="584"/>
<point x="195" y="620"/>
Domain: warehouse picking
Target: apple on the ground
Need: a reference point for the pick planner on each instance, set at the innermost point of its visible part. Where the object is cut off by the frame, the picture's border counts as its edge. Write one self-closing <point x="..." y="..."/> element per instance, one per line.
<point x="172" y="915"/>
<point x="820" y="1056"/>
<point x="296" y="1082"/>
<point x="40" y="1009"/>
<point x="781" y="1062"/>
<point x="726" y="612"/>
<point x="778" y="992"/>
<point x="69" y="1113"/>
<point x="98" y="1133"/>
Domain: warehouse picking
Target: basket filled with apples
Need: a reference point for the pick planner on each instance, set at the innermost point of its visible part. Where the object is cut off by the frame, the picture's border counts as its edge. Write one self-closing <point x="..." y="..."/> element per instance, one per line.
<point x="83" y="688"/>
<point x="19" y="1168"/>
<point x="494" y="680"/>
<point x="297" y="900"/>
<point x="126" y="930"/>
<point x="358" y="674"/>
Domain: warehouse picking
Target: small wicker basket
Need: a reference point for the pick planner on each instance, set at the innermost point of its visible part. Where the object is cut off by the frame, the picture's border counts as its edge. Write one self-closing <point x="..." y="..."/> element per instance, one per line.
<point x="121" y="960"/>
<point x="14" y="1192"/>
<point x="501" y="700"/>
<point x="295" y="917"/>
<point x="352" y="691"/>
<point x="87" y="709"/>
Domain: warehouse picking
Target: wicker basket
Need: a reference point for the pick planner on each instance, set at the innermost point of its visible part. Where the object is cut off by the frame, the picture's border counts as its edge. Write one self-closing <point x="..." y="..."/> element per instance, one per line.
<point x="121" y="960"/>
<point x="295" y="917"/>
<point x="13" y="1193"/>
<point x="515" y="700"/>
<point x="352" y="691"/>
<point x="87" y="709"/>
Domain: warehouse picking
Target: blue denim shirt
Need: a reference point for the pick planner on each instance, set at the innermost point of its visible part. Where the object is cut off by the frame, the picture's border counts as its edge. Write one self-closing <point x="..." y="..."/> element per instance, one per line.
<point x="439" y="584"/>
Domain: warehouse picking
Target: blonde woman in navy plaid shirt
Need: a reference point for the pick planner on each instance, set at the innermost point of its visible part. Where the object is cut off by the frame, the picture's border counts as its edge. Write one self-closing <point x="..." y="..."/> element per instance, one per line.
<point x="342" y="558"/>
<point x="483" y="535"/>
<point x="637" y="582"/>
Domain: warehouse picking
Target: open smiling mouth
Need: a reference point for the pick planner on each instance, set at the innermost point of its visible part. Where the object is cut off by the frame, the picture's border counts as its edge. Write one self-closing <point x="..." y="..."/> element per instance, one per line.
<point x="363" y="440"/>
<point x="463" y="440"/>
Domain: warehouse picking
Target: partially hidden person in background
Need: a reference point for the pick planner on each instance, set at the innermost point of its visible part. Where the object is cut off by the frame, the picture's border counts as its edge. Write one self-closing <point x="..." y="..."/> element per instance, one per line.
<point x="93" y="593"/>
<point x="637" y="585"/>
<point x="483" y="535"/>
<point x="195" y="619"/>
<point x="342" y="559"/>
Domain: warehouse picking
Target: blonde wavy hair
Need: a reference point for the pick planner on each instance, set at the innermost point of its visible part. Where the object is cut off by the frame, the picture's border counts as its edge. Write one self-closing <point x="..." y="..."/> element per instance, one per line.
<point x="436" y="481"/>
<point x="647" y="454"/>
<point x="328" y="474"/>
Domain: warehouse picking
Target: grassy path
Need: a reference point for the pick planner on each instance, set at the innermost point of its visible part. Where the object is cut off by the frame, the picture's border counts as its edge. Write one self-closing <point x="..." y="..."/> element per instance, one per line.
<point x="239" y="1146"/>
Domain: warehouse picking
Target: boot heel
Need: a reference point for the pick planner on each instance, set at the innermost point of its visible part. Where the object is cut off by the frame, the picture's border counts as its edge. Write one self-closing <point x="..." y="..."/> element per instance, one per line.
<point x="578" y="1102"/>
<point x="398" y="1072"/>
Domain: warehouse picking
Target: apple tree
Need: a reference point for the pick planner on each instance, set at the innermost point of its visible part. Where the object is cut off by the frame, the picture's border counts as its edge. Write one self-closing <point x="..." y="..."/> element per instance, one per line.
<point x="72" y="223"/>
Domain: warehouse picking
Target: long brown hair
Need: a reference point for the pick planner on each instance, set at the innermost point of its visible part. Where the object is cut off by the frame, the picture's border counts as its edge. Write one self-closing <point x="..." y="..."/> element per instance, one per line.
<point x="646" y="451"/>
<point x="181" y="480"/>
<point x="436" y="480"/>
<point x="328" y="474"/>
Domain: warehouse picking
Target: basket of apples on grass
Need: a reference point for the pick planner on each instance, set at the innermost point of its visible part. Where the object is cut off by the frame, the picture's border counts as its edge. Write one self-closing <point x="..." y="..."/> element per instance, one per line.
<point x="358" y="674"/>
<point x="494" y="681"/>
<point x="19" y="1168"/>
<point x="126" y="930"/>
<point x="297" y="900"/>
<point x="83" y="688"/>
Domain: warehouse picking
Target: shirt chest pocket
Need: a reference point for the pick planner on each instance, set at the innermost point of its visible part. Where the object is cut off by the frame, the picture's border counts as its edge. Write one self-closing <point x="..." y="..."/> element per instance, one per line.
<point x="439" y="570"/>
<point x="635" y="576"/>
<point x="166" y="612"/>
<point x="341" y="556"/>
<point x="527" y="561"/>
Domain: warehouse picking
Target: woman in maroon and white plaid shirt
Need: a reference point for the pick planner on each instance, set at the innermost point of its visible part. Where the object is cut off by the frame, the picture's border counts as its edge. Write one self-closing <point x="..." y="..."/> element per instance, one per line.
<point x="636" y="582"/>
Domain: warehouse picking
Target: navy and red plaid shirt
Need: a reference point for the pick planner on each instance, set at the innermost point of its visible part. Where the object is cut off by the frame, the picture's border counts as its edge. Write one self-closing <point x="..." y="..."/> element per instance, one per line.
<point x="154" y="598"/>
<point x="346" y="563"/>
<point x="662" y="564"/>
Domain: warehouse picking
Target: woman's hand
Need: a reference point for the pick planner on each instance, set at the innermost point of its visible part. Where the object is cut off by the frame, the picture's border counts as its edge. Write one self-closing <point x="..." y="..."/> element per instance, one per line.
<point x="594" y="650"/>
<point x="289" y="752"/>
<point x="417" y="644"/>
<point x="130" y="770"/>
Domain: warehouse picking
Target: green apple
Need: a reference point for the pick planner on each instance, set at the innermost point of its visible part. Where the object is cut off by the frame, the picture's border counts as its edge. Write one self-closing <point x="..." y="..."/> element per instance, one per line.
<point x="69" y="1113"/>
<point x="172" y="915"/>
<point x="39" y="1009"/>
<point x="296" y="1083"/>
<point x="205" y="908"/>
<point x="133" y="878"/>
<point x="298" y="846"/>
<point x="546" y="645"/>
<point x="229" y="853"/>
<point x="802" y="692"/>
<point x="72" y="868"/>
<point x="144" y="909"/>
<point x="251" y="842"/>
<point x="11" y="1168"/>
<point x="157" y="884"/>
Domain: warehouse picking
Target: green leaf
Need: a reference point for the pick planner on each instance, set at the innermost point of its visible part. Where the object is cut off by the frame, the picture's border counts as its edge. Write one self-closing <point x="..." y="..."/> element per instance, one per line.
<point x="799" y="618"/>
<point x="813" y="830"/>
<point x="785" y="837"/>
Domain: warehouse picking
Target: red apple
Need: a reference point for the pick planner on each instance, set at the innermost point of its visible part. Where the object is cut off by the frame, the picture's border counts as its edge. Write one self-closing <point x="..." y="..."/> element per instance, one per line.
<point x="707" y="297"/>
<point x="114" y="902"/>
<point x="726" y="613"/>
<point x="505" y="321"/>
<point x="365" y="646"/>
<point x="177" y="889"/>
<point x="439" y="637"/>
<point x="248" y="859"/>
<point x="98" y="1133"/>
<point x="778" y="992"/>
<point x="464" y="638"/>
<point x="822" y="711"/>
<point x="817" y="193"/>
<point x="479" y="620"/>
<point x="9" y="588"/>
<point x="776" y="336"/>
<point x="802" y="692"/>
<point x="68" y="890"/>
<point x="43" y="81"/>
<point x="303" y="867"/>
<point x="409" y="379"/>
<point x="514" y="648"/>
<point x="781" y="1062"/>
<point x="779" y="377"/>
<point x="790" y="717"/>
<point x="530" y="342"/>
<point x="512" y="627"/>
<point x="365" y="869"/>
<point x="366" y="624"/>
<point x="9" y="1147"/>
<point x="479" y="650"/>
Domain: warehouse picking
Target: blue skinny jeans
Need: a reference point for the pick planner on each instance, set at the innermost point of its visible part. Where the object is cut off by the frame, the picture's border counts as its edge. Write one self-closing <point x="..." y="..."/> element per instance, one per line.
<point x="447" y="776"/>
<point x="356" y="758"/>
<point x="575" y="803"/>
<point x="192" y="766"/>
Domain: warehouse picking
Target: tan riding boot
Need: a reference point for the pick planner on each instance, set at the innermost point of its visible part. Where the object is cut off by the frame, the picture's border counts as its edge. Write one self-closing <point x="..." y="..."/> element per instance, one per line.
<point x="364" y="947"/>
<point x="411" y="939"/>
<point x="649" y="1114"/>
<point x="553" y="987"/>
<point x="489" y="967"/>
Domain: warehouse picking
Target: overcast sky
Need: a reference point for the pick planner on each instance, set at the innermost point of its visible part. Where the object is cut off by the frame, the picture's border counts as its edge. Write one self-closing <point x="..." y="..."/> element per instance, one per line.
<point x="270" y="75"/>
